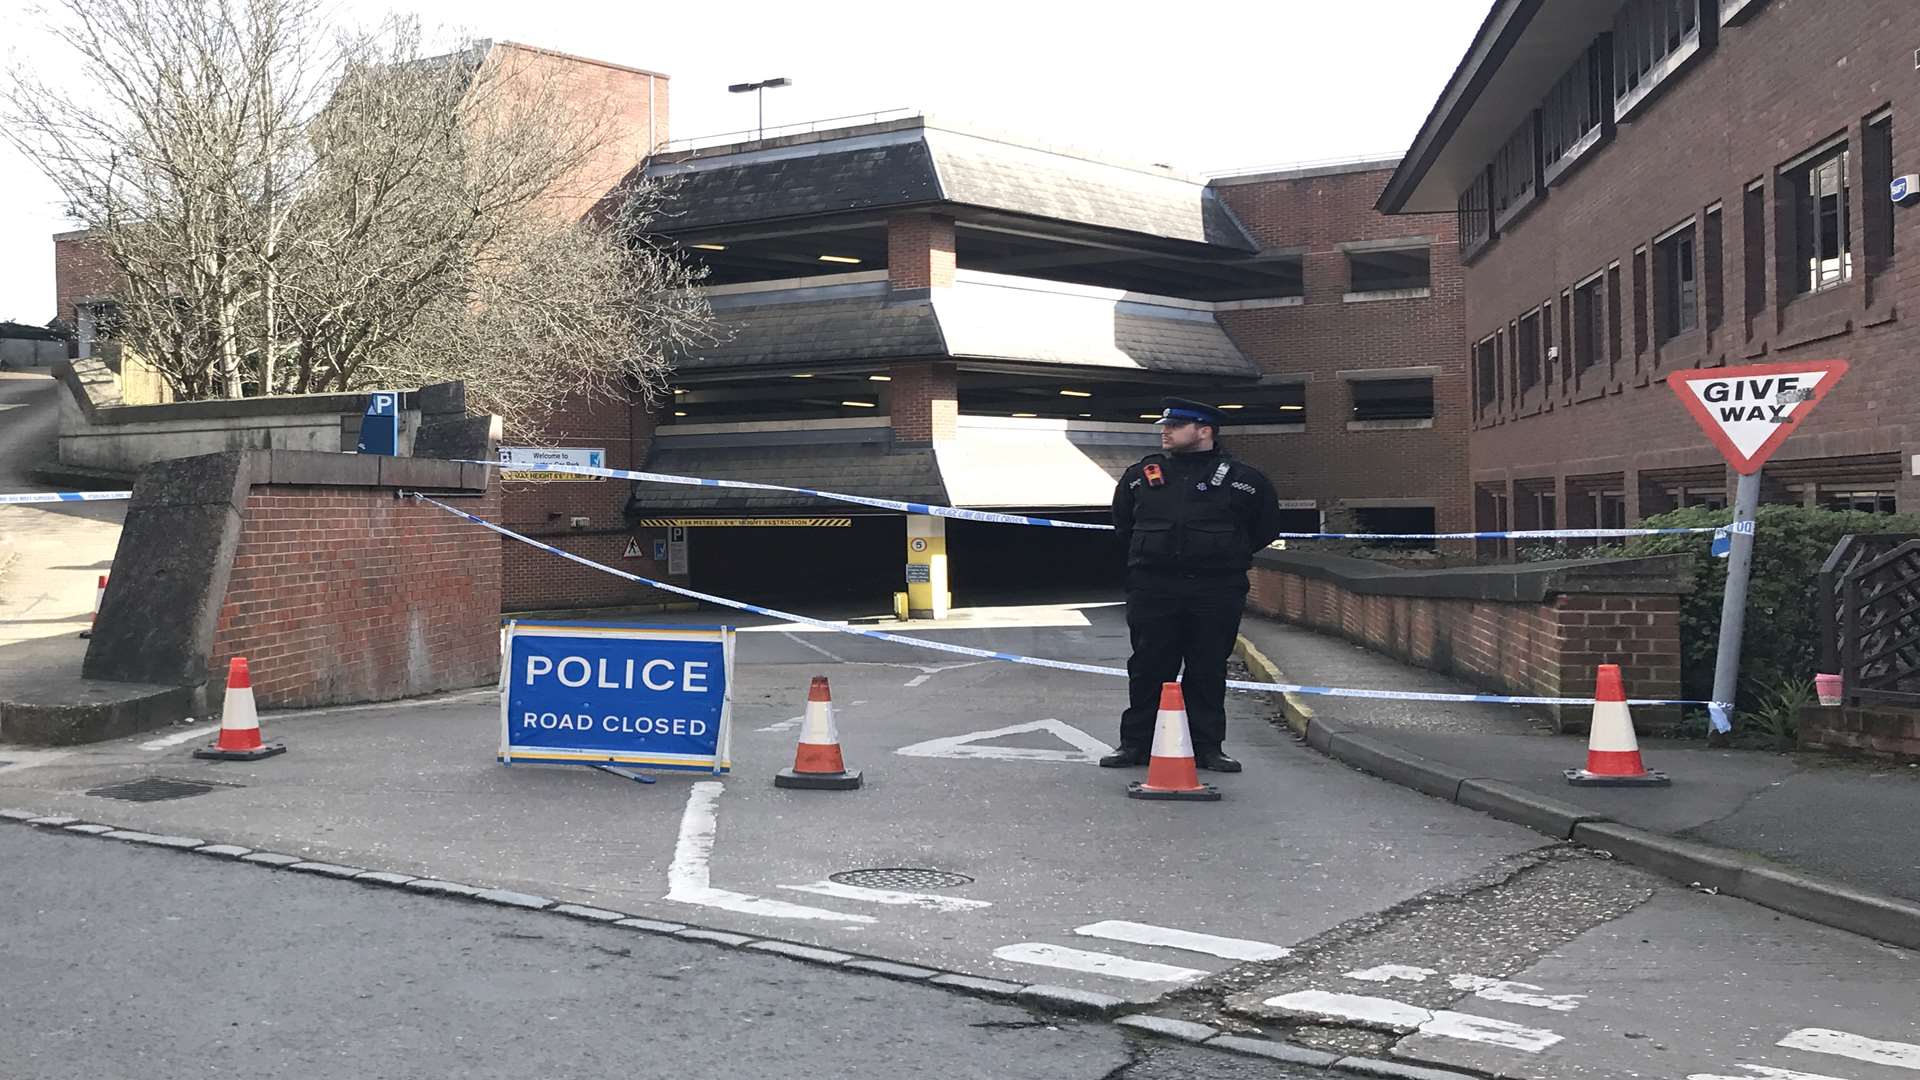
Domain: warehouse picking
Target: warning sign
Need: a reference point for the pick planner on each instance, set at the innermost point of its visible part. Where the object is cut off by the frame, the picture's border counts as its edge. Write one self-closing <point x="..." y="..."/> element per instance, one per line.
<point x="1749" y="411"/>
<point x="633" y="548"/>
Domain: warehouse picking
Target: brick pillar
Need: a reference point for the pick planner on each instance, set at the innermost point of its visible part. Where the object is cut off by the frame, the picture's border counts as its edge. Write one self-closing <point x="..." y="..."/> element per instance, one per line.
<point x="923" y="402"/>
<point x="919" y="251"/>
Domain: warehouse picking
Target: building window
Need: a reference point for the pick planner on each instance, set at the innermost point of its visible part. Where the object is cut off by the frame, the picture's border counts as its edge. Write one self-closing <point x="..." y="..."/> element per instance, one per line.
<point x="1753" y="250"/>
<point x="1645" y="34"/>
<point x="1476" y="215"/>
<point x="1388" y="271"/>
<point x="1678" y="283"/>
<point x="1613" y="510"/>
<point x="1392" y="399"/>
<point x="1640" y="302"/>
<point x="1573" y="108"/>
<point x="1516" y="171"/>
<point x="99" y="323"/>
<point x="1876" y="162"/>
<point x="1486" y="372"/>
<point x="1528" y="353"/>
<point x="1395" y="520"/>
<point x="1564" y="370"/>
<point x="1586" y="324"/>
<point x="1823" y="253"/>
<point x="1866" y="502"/>
<point x="1613" y="315"/>
<point x="1716" y="291"/>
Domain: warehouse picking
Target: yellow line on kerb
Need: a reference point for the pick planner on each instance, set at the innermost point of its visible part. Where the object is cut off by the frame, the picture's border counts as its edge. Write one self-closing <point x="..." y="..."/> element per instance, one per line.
<point x="1267" y="671"/>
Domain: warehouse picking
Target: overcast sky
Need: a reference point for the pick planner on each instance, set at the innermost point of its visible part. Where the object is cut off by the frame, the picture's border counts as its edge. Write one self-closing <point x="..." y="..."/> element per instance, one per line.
<point x="1204" y="87"/>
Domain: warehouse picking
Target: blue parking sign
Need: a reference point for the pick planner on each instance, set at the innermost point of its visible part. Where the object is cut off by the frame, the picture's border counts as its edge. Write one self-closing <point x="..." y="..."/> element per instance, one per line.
<point x="598" y="694"/>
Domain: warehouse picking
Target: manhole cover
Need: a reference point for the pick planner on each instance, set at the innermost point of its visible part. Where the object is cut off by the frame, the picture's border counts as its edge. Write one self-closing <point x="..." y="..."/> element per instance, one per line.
<point x="152" y="789"/>
<point x="906" y="878"/>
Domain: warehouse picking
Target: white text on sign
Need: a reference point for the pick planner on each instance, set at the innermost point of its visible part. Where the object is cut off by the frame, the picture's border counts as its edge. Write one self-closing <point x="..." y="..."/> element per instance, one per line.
<point x="1769" y="399"/>
<point x="578" y="671"/>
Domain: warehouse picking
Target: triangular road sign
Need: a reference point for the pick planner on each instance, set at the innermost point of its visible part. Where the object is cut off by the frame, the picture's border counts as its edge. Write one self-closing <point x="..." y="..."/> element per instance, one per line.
<point x="1086" y="748"/>
<point x="1749" y="411"/>
<point x="633" y="548"/>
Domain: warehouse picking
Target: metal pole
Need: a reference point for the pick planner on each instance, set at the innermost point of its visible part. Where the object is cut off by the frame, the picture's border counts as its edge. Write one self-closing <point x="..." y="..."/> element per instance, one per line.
<point x="1733" y="607"/>
<point x="760" y="128"/>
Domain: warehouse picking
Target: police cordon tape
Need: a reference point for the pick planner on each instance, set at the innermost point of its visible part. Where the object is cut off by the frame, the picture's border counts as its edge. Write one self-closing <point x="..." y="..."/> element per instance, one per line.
<point x="1016" y="658"/>
<point x="1023" y="519"/>
<point x="63" y="496"/>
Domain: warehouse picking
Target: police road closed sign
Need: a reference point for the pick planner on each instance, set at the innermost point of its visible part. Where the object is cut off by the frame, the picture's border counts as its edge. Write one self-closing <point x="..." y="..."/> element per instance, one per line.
<point x="617" y="695"/>
<point x="1749" y="411"/>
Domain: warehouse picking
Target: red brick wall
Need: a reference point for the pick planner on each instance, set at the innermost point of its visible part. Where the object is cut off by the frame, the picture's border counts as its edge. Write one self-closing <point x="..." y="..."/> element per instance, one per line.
<point x="80" y="271"/>
<point x="1547" y="649"/>
<point x="535" y="580"/>
<point x="1776" y="86"/>
<point x="923" y="402"/>
<point x="1325" y="335"/>
<point x="1876" y="731"/>
<point x="920" y="251"/>
<point x="350" y="595"/>
<point x="623" y="101"/>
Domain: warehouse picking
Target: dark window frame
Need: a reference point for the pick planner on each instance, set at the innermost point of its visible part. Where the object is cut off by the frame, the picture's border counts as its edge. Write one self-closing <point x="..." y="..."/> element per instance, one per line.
<point x="1713" y="268"/>
<point x="1676" y="259"/>
<point x="1387" y="282"/>
<point x="1382" y="403"/>
<point x="1589" y="306"/>
<point x="1527" y="351"/>
<point x="1474" y="216"/>
<point x="1819" y="205"/>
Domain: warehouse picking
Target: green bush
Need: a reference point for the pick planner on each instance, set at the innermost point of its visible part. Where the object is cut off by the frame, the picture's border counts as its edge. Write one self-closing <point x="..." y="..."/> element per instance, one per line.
<point x="1782" y="638"/>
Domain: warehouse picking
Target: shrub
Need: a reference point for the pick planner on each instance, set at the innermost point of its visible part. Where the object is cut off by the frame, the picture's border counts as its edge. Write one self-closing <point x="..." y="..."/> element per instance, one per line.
<point x="1781" y="645"/>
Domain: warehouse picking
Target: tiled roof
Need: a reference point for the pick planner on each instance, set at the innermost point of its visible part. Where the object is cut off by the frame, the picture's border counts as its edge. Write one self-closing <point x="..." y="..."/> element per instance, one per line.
<point x="867" y="326"/>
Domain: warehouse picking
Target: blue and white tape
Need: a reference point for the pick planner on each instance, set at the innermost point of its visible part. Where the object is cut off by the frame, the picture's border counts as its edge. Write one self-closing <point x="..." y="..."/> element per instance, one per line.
<point x="63" y="496"/>
<point x="1023" y="519"/>
<point x="1011" y="658"/>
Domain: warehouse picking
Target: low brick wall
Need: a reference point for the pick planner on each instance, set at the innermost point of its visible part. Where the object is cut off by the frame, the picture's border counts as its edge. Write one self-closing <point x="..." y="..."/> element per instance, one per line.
<point x="336" y="591"/>
<point x="1887" y="732"/>
<point x="1537" y="629"/>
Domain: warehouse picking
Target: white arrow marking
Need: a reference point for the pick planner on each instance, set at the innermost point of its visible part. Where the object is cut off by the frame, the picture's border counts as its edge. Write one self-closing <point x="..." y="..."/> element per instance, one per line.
<point x="1858" y="1047"/>
<point x="1095" y="963"/>
<point x="1147" y="934"/>
<point x="785" y="725"/>
<point x="1399" y="1017"/>
<point x="689" y="881"/>
<point x="179" y="737"/>
<point x="1763" y="1072"/>
<point x="1390" y="972"/>
<point x="929" y="901"/>
<point x="1088" y="750"/>
<point x="1514" y="993"/>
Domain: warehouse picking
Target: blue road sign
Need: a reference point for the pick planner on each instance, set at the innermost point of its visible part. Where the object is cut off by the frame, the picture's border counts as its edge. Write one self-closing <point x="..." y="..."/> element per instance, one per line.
<point x="597" y="694"/>
<point x="380" y="426"/>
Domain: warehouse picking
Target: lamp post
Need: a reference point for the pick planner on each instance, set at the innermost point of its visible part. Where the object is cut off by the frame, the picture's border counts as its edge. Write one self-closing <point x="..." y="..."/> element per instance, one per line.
<point x="759" y="90"/>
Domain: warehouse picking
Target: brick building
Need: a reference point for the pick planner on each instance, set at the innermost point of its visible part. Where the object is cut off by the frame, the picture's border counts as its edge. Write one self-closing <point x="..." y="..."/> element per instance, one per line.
<point x="1658" y="185"/>
<point x="919" y="311"/>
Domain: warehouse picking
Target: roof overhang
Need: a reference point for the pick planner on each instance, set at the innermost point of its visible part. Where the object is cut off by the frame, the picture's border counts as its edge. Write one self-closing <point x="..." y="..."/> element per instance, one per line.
<point x="1520" y="51"/>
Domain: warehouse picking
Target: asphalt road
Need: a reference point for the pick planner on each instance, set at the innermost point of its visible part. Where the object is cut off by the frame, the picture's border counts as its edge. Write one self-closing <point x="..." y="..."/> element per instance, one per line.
<point x="29" y="426"/>
<point x="116" y="961"/>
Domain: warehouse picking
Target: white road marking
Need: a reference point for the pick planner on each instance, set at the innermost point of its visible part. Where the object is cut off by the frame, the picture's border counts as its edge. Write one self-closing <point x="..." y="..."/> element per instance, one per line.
<point x="1390" y="972"/>
<point x="1094" y="963"/>
<point x="1764" y="1072"/>
<point x="179" y="737"/>
<point x="1400" y="1017"/>
<point x="1845" y="1044"/>
<point x="785" y="725"/>
<point x="929" y="901"/>
<point x="1513" y="993"/>
<point x="789" y="635"/>
<point x="1088" y="750"/>
<point x="1147" y="934"/>
<point x="689" y="880"/>
<point x="929" y="672"/>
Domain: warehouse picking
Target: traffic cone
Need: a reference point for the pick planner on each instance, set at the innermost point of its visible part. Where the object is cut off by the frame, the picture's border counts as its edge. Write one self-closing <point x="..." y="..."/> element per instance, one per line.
<point x="239" y="738"/>
<point x="1170" y="771"/>
<point x="1613" y="754"/>
<point x="816" y="761"/>
<point x="99" y="597"/>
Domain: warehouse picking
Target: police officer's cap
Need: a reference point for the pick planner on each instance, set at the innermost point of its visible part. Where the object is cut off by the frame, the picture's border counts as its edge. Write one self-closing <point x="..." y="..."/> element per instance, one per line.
<point x="1175" y="410"/>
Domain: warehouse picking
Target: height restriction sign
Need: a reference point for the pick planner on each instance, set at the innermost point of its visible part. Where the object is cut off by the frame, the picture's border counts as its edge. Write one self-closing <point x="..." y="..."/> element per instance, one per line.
<point x="1749" y="411"/>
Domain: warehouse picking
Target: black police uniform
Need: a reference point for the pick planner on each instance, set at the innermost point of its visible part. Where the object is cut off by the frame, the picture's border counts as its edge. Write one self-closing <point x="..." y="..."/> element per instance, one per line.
<point x="1191" y="524"/>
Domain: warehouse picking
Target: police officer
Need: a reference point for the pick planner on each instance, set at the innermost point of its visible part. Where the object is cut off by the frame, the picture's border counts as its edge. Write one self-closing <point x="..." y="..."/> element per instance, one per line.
<point x="1191" y="518"/>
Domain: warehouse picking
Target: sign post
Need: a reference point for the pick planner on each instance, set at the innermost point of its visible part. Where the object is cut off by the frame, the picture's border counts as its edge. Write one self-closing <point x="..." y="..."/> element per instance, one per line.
<point x="1747" y="412"/>
<point x="610" y="696"/>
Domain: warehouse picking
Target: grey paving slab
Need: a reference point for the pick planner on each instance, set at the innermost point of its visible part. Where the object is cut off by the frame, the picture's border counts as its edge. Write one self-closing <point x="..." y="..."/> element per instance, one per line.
<point x="270" y="858"/>
<point x="717" y="937"/>
<point x="1168" y="1027"/>
<point x="223" y="851"/>
<point x="90" y="829"/>
<point x="333" y="870"/>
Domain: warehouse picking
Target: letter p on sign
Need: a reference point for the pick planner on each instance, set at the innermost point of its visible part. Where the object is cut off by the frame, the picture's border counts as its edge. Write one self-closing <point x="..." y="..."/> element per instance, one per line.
<point x="1749" y="411"/>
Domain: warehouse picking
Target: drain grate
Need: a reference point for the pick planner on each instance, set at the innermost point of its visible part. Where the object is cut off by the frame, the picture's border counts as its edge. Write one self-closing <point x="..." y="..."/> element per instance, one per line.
<point x="153" y="789"/>
<point x="907" y="878"/>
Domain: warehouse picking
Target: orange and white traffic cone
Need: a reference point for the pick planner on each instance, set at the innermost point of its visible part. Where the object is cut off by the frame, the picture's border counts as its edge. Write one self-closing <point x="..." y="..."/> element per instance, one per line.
<point x="99" y="598"/>
<point x="1170" y="771"/>
<point x="239" y="738"/>
<point x="1613" y="753"/>
<point x="816" y="761"/>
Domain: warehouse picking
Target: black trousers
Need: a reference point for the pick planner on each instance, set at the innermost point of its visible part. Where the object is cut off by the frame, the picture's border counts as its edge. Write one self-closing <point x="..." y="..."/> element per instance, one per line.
<point x="1188" y="623"/>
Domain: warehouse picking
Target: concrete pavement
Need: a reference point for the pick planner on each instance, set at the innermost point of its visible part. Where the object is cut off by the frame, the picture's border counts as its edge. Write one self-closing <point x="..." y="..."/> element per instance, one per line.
<point x="1305" y="874"/>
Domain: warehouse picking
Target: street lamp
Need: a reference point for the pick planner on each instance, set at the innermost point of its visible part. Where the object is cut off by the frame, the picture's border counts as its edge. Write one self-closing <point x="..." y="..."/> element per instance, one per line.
<point x="759" y="90"/>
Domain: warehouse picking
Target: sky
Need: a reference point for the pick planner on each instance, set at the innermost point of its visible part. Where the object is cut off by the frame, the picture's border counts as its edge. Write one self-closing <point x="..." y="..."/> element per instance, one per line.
<point x="1205" y="88"/>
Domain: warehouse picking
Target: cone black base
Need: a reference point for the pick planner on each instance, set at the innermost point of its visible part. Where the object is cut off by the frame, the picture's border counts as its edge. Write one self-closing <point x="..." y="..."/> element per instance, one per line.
<point x="1583" y="778"/>
<point x="1207" y="793"/>
<point x="839" y="781"/>
<point x="214" y="753"/>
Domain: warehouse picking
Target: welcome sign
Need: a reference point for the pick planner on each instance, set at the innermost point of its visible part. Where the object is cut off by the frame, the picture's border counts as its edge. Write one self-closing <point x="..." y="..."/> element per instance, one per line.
<point x="604" y="694"/>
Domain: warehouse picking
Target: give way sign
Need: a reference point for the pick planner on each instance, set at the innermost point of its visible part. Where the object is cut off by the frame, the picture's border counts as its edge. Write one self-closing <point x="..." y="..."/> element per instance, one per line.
<point x="1749" y="411"/>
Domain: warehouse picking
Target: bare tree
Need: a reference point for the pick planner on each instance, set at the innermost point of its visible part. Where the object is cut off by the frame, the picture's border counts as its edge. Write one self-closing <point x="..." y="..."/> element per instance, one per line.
<point x="299" y="210"/>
